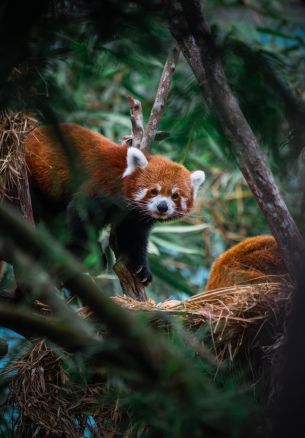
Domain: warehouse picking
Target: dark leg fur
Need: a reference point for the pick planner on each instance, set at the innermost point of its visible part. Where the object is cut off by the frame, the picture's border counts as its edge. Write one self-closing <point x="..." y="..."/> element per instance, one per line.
<point x="129" y="240"/>
<point x="129" y="231"/>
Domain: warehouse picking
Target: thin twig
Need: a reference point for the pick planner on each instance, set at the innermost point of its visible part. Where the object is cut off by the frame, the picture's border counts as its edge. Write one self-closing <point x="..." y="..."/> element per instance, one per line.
<point x="137" y="123"/>
<point x="161" y="97"/>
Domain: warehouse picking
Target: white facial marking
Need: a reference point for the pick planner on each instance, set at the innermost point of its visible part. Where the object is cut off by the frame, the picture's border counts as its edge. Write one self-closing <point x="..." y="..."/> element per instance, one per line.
<point x="158" y="187"/>
<point x="152" y="207"/>
<point x="174" y="190"/>
<point x="197" y="179"/>
<point x="183" y="203"/>
<point x="135" y="159"/>
<point x="140" y="194"/>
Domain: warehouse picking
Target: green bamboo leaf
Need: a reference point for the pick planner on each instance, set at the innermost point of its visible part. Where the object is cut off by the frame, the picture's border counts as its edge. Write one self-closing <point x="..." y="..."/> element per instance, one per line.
<point x="174" y="247"/>
<point x="152" y="248"/>
<point x="179" y="228"/>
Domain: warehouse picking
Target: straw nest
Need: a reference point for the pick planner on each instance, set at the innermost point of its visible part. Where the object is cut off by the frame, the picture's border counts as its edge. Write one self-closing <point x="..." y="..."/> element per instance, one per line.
<point x="236" y="318"/>
<point x="14" y="127"/>
<point x="49" y="403"/>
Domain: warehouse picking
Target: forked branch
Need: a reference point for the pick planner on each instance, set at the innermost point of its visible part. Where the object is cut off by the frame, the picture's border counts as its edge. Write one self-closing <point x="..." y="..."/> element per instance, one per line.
<point x="139" y="138"/>
<point x="136" y="116"/>
<point x="161" y="97"/>
<point x="129" y="281"/>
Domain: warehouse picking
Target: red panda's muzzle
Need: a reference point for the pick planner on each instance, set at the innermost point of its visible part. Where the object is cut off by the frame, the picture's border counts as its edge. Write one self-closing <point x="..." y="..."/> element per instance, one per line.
<point x="158" y="206"/>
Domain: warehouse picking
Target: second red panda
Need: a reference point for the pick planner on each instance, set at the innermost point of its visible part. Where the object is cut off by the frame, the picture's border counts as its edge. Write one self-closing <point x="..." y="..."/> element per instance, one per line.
<point x="123" y="187"/>
<point x="253" y="259"/>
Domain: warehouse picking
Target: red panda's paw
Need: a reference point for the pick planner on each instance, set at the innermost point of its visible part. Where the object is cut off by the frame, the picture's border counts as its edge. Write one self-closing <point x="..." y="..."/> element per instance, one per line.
<point x="144" y="275"/>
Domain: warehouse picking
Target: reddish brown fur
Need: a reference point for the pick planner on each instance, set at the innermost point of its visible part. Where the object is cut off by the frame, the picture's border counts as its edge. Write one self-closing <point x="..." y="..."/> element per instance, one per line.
<point x="101" y="159"/>
<point x="247" y="261"/>
<point x="104" y="163"/>
<point x="99" y="165"/>
<point x="164" y="172"/>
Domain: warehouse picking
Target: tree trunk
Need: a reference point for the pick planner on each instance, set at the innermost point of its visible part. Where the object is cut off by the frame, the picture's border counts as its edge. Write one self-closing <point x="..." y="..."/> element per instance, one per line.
<point x="190" y="29"/>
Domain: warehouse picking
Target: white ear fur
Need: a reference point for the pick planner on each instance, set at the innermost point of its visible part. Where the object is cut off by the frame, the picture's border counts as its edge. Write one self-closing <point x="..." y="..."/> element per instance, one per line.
<point x="135" y="159"/>
<point x="197" y="179"/>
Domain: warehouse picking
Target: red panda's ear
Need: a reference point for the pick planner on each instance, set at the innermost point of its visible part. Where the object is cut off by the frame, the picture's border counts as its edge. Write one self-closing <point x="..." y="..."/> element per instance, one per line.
<point x="197" y="179"/>
<point x="135" y="159"/>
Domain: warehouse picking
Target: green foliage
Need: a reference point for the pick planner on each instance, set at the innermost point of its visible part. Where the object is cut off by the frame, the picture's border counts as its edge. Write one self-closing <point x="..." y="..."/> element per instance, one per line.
<point x="83" y="76"/>
<point x="83" y="70"/>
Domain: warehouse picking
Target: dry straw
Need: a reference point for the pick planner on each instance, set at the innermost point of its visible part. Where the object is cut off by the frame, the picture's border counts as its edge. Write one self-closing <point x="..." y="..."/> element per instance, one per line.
<point x="50" y="404"/>
<point x="234" y="316"/>
<point x="14" y="127"/>
<point x="47" y="401"/>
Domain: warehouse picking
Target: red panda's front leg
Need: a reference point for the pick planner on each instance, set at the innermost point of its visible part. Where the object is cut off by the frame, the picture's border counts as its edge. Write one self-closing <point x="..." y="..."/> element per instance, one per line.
<point x="129" y="240"/>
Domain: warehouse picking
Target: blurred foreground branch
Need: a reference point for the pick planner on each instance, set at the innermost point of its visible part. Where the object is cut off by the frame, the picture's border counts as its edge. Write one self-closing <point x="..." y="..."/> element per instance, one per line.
<point x="14" y="128"/>
<point x="142" y="346"/>
<point x="28" y="324"/>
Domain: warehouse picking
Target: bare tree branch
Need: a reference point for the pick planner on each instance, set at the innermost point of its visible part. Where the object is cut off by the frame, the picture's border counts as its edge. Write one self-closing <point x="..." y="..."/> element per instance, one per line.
<point x="190" y="29"/>
<point x="161" y="97"/>
<point x="136" y="116"/>
<point x="129" y="281"/>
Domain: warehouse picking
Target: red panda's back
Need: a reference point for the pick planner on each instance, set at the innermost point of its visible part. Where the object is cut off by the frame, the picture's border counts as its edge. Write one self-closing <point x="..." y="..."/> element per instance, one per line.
<point x="249" y="260"/>
<point x="48" y="165"/>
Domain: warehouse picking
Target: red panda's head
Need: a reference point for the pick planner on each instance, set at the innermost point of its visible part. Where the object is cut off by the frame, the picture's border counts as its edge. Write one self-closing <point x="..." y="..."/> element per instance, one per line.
<point x="159" y="187"/>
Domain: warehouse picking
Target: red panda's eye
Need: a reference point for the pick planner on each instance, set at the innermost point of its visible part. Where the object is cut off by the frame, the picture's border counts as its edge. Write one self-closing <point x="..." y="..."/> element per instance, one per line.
<point x="154" y="192"/>
<point x="175" y="196"/>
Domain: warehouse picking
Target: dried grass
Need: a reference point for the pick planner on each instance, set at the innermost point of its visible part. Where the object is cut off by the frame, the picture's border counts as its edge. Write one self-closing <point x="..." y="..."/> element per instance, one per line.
<point x="14" y="127"/>
<point x="49" y="404"/>
<point x="234" y="316"/>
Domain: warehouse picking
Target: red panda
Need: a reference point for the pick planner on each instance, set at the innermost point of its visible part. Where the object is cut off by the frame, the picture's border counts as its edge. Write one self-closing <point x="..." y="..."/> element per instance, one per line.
<point x="123" y="187"/>
<point x="249" y="260"/>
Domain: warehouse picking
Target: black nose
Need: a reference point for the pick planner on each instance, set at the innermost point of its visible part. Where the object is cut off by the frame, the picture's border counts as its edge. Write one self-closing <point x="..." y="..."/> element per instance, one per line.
<point x="162" y="207"/>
